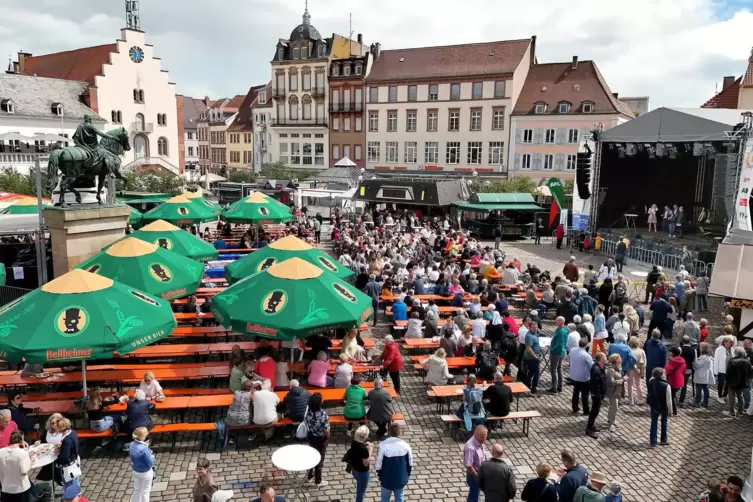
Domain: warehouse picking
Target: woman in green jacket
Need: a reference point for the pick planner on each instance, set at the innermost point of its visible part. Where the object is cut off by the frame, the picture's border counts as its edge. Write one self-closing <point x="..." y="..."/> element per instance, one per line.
<point x="355" y="409"/>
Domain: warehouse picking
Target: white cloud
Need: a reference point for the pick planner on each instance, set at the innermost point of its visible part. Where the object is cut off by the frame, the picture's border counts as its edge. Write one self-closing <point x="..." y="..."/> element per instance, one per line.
<point x="673" y="51"/>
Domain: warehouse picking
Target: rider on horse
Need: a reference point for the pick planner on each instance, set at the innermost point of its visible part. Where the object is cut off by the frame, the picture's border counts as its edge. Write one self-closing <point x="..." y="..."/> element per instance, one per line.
<point x="86" y="138"/>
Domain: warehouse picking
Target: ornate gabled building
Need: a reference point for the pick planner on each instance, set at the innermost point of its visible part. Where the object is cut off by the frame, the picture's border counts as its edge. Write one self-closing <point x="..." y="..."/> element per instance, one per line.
<point x="299" y="125"/>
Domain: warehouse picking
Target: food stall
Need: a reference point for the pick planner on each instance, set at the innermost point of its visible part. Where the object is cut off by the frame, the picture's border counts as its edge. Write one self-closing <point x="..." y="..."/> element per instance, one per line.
<point x="428" y="197"/>
<point x="482" y="212"/>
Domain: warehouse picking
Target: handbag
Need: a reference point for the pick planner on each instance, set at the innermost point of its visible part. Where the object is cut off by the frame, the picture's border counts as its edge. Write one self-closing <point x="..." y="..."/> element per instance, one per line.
<point x="303" y="430"/>
<point x="72" y="471"/>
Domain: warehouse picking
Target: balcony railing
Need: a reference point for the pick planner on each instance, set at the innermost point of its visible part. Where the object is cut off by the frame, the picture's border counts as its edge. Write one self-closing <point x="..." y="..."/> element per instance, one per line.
<point x="299" y="123"/>
<point x="146" y="127"/>
<point x="278" y="93"/>
<point x="346" y="107"/>
<point x="317" y="92"/>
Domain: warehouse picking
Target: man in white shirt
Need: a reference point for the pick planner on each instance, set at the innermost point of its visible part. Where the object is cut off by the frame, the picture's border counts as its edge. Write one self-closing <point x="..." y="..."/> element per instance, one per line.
<point x="510" y="275"/>
<point x="15" y="464"/>
<point x="572" y="338"/>
<point x="265" y="408"/>
<point x="434" y="274"/>
<point x="478" y="326"/>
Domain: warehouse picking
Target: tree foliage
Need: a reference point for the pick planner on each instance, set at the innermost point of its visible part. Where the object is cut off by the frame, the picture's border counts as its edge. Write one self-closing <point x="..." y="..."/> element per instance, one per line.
<point x="279" y="171"/>
<point x="20" y="183"/>
<point x="241" y="176"/>
<point x="153" y="183"/>
<point x="520" y="184"/>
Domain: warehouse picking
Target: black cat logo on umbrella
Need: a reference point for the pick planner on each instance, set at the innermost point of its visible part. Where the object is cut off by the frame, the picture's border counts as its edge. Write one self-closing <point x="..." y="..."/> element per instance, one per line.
<point x="160" y="272"/>
<point x="274" y="302"/>
<point x="72" y="321"/>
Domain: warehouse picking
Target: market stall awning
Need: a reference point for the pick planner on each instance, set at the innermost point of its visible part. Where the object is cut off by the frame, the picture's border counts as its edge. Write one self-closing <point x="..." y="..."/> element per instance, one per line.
<point x="485" y="208"/>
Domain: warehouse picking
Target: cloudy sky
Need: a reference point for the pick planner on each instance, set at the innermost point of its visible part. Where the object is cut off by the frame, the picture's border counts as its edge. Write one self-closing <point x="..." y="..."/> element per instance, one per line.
<point x="674" y="51"/>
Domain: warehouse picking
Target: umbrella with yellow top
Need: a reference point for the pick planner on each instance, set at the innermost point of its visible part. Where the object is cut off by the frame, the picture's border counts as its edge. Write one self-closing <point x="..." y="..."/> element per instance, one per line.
<point x="257" y="208"/>
<point x="148" y="267"/>
<point x="174" y="239"/>
<point x="180" y="210"/>
<point x="196" y="198"/>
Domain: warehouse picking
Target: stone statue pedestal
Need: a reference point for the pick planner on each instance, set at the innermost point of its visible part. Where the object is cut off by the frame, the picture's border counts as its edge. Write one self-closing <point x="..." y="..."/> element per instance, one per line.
<point x="78" y="233"/>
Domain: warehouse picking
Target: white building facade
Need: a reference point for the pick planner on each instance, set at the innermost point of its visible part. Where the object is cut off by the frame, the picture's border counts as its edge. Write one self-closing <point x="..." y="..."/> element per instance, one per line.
<point x="426" y="116"/>
<point x="298" y="123"/>
<point x="129" y="89"/>
<point x="262" y="118"/>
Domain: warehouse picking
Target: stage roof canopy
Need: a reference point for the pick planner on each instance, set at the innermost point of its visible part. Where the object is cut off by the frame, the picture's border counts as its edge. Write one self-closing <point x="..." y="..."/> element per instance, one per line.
<point x="675" y="125"/>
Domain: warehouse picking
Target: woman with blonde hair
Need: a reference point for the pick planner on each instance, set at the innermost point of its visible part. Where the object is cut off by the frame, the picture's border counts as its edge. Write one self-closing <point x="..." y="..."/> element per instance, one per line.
<point x="142" y="463"/>
<point x="359" y="460"/>
<point x="51" y="435"/>
<point x="151" y="387"/>
<point x="722" y="355"/>
<point x="343" y="372"/>
<point x="437" y="372"/>
<point x="98" y="420"/>
<point x="614" y="388"/>
<point x="634" y="373"/>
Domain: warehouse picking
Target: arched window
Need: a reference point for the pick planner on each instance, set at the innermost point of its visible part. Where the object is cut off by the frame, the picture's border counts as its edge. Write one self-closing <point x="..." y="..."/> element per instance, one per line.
<point x="293" y="108"/>
<point x="162" y="146"/>
<point x="136" y="95"/>
<point x="306" y="101"/>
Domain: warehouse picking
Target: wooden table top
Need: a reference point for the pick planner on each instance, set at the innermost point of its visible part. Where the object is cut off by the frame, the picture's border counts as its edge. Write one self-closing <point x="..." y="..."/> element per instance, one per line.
<point x="452" y="390"/>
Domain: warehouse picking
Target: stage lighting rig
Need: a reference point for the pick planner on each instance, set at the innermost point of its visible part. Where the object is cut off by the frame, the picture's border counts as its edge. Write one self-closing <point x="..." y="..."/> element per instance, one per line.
<point x="672" y="151"/>
<point x="631" y="149"/>
<point x="651" y="150"/>
<point x="660" y="150"/>
<point x="709" y="149"/>
<point x="697" y="149"/>
<point x="583" y="173"/>
<point x="621" y="150"/>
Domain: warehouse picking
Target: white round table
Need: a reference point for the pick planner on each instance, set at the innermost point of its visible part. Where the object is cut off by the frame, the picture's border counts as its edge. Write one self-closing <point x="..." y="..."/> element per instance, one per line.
<point x="295" y="459"/>
<point x="44" y="459"/>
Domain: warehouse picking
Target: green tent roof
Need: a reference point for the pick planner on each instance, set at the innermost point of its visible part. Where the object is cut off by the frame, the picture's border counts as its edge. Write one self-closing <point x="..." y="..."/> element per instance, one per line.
<point x="502" y="198"/>
<point x="485" y="208"/>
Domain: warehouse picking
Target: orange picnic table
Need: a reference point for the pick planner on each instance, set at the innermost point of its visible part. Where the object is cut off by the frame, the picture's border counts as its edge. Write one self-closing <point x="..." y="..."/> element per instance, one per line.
<point x="300" y="367"/>
<point x="392" y="298"/>
<point x="454" y="362"/>
<point x="119" y="376"/>
<point x="446" y="393"/>
<point x="181" y="316"/>
<point x="209" y="291"/>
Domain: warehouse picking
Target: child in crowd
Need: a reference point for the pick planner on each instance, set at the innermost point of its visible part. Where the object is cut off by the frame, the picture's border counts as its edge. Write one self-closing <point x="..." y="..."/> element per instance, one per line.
<point x="614" y="494"/>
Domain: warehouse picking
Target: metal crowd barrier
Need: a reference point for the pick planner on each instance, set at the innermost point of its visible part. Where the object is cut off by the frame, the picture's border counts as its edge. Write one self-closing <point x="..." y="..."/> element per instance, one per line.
<point x="10" y="293"/>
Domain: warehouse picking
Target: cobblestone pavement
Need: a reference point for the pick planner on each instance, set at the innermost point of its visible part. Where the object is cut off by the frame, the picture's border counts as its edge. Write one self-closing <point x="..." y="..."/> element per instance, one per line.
<point x="702" y="444"/>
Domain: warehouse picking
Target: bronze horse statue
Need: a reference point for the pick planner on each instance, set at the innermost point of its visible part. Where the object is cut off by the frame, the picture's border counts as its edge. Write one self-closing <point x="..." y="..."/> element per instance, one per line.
<point x="73" y="163"/>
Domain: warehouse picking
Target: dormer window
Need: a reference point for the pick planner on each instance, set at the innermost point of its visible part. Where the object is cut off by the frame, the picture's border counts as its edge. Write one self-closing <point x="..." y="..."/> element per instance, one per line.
<point x="346" y="69"/>
<point x="588" y="107"/>
<point x="563" y="108"/>
<point x="540" y="108"/>
<point x="304" y="52"/>
<point x="359" y="68"/>
<point x="262" y="97"/>
<point x="321" y="50"/>
<point x="296" y="53"/>
<point x="280" y="53"/>
<point x="57" y="109"/>
<point x="7" y="106"/>
<point x="335" y="70"/>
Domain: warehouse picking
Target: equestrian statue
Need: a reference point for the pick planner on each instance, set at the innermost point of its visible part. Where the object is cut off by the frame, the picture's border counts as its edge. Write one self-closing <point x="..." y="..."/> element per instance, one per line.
<point x="89" y="159"/>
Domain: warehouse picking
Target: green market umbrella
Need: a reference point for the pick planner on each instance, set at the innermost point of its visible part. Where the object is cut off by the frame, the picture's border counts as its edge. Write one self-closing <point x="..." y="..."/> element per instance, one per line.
<point x="279" y="251"/>
<point x="174" y="239"/>
<point x="3" y="277"/>
<point x="23" y="206"/>
<point x="81" y="316"/>
<point x="292" y="299"/>
<point x="257" y="208"/>
<point x="259" y="195"/>
<point x="196" y="198"/>
<point x="180" y="210"/>
<point x="148" y="267"/>
<point x="135" y="217"/>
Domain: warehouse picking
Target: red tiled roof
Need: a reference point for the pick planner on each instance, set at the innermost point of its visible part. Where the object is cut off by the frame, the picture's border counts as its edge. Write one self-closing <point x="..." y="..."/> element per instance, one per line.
<point x="726" y="98"/>
<point x="218" y="103"/>
<point x="559" y="81"/>
<point x="234" y="103"/>
<point x="81" y="64"/>
<point x="244" y="120"/>
<point x="748" y="77"/>
<point x="488" y="58"/>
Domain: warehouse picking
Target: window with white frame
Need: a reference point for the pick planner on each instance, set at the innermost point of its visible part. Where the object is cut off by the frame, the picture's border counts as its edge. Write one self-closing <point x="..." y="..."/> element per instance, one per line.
<point x="549" y="136"/>
<point x="336" y="152"/>
<point x="392" y="95"/>
<point x="308" y="158"/>
<point x="474" y="152"/>
<point x="540" y="108"/>
<point x="454" y="91"/>
<point x="432" y="120"/>
<point x="336" y="124"/>
<point x="357" y="124"/>
<point x="431" y="152"/>
<point x="548" y="162"/>
<point x="295" y="154"/>
<point x="475" y="120"/>
<point x="346" y="151"/>
<point x="563" y="108"/>
<point x="496" y="152"/>
<point x="336" y="70"/>
<point x="572" y="136"/>
<point x="262" y="97"/>
<point x="319" y="154"/>
<point x="453" y="152"/>
<point x="391" y="148"/>
<point x="412" y="92"/>
<point x="571" y="161"/>
<point x="411" y="152"/>
<point x="306" y="111"/>
<point x="433" y="92"/>
<point x="391" y="121"/>
<point x="296" y="53"/>
<point x="498" y="119"/>
<point x="281" y="112"/>
<point x="359" y="68"/>
<point x="373" y="121"/>
<point x="588" y="107"/>
<point x="346" y="124"/>
<point x="410" y="121"/>
<point x="306" y="81"/>
<point x="190" y="151"/>
<point x="478" y="90"/>
<point x="346" y="72"/>
<point x="454" y="120"/>
<point x="373" y="94"/>
<point x="499" y="89"/>
<point x="293" y="81"/>
<point x="525" y="161"/>
<point x="357" y="150"/>
<point x="527" y="135"/>
<point x="372" y="151"/>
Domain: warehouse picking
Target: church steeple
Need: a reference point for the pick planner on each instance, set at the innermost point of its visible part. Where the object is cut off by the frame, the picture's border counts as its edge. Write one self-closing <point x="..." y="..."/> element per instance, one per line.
<point x="306" y="15"/>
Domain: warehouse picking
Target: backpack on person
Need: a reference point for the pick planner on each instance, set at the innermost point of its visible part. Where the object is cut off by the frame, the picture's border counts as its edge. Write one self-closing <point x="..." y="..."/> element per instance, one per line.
<point x="475" y="402"/>
<point x="509" y="347"/>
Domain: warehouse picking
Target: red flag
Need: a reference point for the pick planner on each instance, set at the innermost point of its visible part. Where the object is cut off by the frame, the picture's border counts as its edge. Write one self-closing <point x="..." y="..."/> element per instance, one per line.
<point x="553" y="210"/>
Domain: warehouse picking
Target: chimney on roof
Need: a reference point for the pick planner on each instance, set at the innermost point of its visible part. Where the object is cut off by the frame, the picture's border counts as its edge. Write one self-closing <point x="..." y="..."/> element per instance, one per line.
<point x="575" y="63"/>
<point x="728" y="81"/>
<point x="360" y="38"/>
<point x="375" y="49"/>
<point x="21" y="65"/>
<point x="207" y="101"/>
<point x="616" y="95"/>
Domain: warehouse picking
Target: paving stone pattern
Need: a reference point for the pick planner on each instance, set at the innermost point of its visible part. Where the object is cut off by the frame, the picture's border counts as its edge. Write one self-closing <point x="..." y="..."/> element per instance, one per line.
<point x="703" y="444"/>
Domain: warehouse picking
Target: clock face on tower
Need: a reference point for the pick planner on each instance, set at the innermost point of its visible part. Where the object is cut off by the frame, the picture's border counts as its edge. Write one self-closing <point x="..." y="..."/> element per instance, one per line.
<point x="136" y="54"/>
